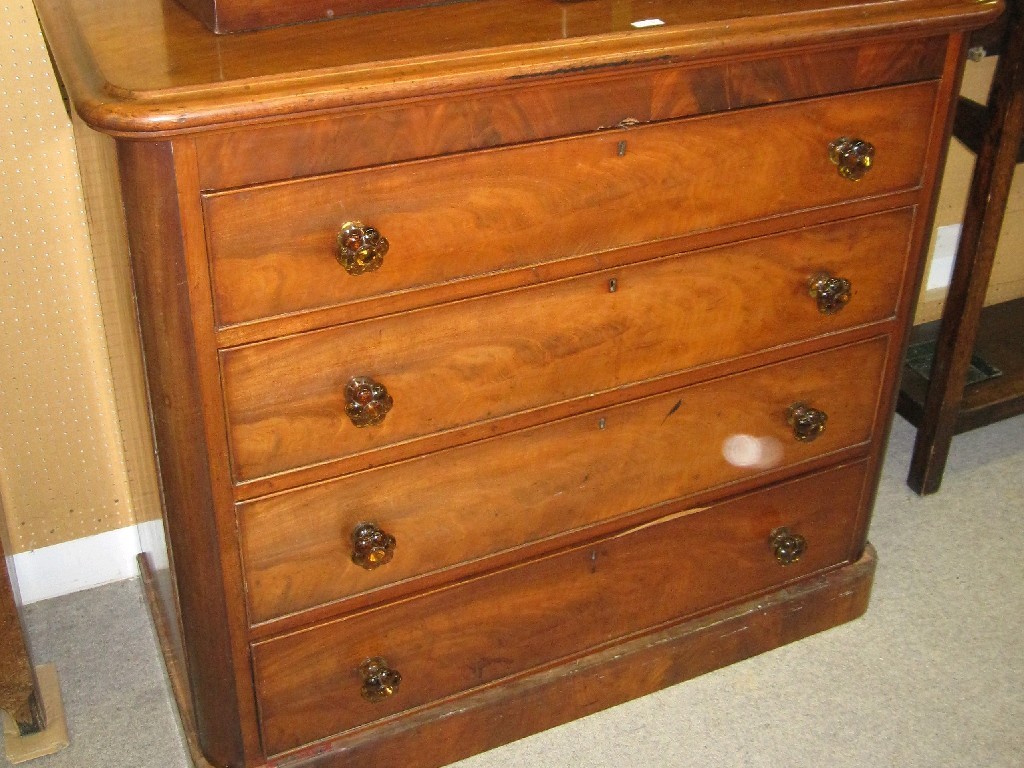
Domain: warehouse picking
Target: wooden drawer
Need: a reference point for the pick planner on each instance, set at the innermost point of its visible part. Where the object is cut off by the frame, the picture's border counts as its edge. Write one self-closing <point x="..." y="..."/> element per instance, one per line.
<point x="472" y="361"/>
<point x="533" y="111"/>
<point x="273" y="247"/>
<point x="465" y="504"/>
<point x="505" y="623"/>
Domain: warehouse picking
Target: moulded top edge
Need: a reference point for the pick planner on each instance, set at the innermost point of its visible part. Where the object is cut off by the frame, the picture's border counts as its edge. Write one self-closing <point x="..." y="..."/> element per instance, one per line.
<point x="148" y="67"/>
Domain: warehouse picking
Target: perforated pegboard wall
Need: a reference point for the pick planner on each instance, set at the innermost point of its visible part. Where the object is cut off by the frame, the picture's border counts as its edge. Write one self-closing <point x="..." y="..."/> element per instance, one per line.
<point x="62" y="470"/>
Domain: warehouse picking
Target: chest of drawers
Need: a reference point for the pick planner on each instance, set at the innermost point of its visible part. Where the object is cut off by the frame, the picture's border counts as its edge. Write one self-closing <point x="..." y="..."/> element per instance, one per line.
<point x="509" y="360"/>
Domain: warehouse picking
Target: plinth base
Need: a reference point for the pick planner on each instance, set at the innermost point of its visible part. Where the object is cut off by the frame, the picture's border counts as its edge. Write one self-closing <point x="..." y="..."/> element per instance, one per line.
<point x="436" y="736"/>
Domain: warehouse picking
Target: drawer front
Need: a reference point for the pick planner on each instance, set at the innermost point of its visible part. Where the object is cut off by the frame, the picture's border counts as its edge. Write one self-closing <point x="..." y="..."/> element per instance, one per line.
<point x="473" y="361"/>
<point x="455" y="639"/>
<point x="274" y="248"/>
<point x="468" y="503"/>
<point x="533" y="111"/>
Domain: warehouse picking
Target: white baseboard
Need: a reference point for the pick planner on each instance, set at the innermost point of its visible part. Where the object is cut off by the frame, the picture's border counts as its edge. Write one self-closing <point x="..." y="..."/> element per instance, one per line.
<point x="76" y="565"/>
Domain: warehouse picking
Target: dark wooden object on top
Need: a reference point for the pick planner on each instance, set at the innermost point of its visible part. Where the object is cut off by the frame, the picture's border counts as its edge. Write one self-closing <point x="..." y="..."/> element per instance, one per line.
<point x="940" y="408"/>
<point x="226" y="16"/>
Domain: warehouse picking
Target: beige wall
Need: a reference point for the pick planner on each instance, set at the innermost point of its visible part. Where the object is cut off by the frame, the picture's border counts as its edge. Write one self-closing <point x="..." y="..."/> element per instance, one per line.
<point x="74" y="453"/>
<point x="63" y="472"/>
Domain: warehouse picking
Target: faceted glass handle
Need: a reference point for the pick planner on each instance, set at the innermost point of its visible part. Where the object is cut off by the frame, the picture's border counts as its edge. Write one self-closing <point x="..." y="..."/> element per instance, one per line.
<point x="786" y="546"/>
<point x="371" y="547"/>
<point x="808" y="423"/>
<point x="831" y="293"/>
<point x="361" y="248"/>
<point x="367" y="402"/>
<point x="379" y="680"/>
<point x="853" y="157"/>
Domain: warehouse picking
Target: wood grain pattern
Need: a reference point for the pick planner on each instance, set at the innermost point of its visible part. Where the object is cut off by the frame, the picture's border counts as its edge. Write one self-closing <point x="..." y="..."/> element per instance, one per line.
<point x="512" y="114"/>
<point x="268" y="259"/>
<point x="466" y="362"/>
<point x="465" y="504"/>
<point x="506" y="623"/>
<point x="838" y="69"/>
<point x="185" y="78"/>
<point x="548" y="270"/>
<point x="530" y="111"/>
<point x="497" y="715"/>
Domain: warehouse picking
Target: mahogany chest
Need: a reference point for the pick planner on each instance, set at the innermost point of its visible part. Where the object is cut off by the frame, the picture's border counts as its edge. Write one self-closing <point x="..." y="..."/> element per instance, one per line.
<point x="510" y="359"/>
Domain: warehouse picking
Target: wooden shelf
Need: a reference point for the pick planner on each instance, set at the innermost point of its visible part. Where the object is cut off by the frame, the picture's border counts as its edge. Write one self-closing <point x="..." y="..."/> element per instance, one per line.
<point x="1000" y="343"/>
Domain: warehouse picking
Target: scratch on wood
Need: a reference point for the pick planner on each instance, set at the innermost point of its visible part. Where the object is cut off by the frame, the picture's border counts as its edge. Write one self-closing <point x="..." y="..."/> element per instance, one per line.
<point x="661" y="521"/>
<point x="676" y="407"/>
<point x="735" y="632"/>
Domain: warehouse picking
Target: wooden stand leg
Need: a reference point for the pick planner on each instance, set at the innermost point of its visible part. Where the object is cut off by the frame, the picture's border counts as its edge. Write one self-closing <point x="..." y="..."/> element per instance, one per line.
<point x="33" y="716"/>
<point x="990" y="189"/>
<point x="18" y="688"/>
<point x="21" y="747"/>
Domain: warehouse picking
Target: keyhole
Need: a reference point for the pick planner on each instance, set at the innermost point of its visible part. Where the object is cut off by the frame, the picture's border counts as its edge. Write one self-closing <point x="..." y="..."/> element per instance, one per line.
<point x="622" y="149"/>
<point x="613" y="285"/>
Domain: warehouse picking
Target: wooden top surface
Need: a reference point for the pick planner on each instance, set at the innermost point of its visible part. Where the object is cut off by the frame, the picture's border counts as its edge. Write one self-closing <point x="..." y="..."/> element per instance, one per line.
<point x="148" y="66"/>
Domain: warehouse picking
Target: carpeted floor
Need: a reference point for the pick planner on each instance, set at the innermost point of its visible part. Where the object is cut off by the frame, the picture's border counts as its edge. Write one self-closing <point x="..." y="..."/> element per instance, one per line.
<point x="932" y="676"/>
